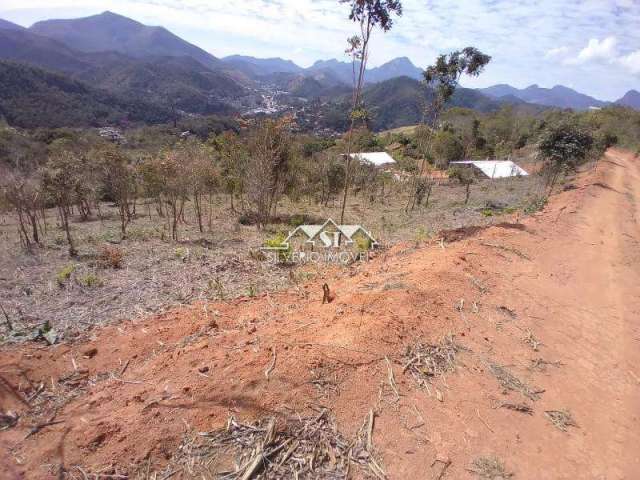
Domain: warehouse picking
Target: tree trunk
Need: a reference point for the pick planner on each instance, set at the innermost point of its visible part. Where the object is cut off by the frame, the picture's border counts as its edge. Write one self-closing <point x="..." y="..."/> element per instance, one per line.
<point x="64" y="216"/>
<point x="33" y="219"/>
<point x="197" y="206"/>
<point x="429" y="189"/>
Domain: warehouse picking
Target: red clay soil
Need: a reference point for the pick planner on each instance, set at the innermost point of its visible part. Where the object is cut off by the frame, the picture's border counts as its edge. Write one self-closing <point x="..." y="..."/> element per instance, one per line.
<point x="570" y="276"/>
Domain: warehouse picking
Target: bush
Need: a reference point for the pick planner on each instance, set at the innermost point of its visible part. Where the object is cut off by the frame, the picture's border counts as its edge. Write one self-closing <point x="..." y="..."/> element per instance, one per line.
<point x="91" y="280"/>
<point x="277" y="242"/>
<point x="447" y="148"/>
<point x="535" y="205"/>
<point x="64" y="274"/>
<point x="110" y="257"/>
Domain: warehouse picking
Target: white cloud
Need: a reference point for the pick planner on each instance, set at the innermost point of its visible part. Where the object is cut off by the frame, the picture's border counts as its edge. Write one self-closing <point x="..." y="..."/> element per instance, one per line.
<point x="631" y="62"/>
<point x="596" y="50"/>
<point x="557" y="52"/>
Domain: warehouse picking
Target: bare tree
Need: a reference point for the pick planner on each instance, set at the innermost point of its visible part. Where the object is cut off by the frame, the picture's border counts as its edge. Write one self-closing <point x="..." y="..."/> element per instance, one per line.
<point x="268" y="164"/>
<point x="25" y="195"/>
<point x="175" y="187"/>
<point x="202" y="176"/>
<point x="119" y="180"/>
<point x="62" y="180"/>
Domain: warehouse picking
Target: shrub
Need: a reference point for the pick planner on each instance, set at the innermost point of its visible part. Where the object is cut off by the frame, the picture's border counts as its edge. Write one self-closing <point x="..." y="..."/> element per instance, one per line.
<point x="363" y="244"/>
<point x="64" y="274"/>
<point x="110" y="257"/>
<point x="182" y="253"/>
<point x="535" y="205"/>
<point x="278" y="242"/>
<point x="91" y="280"/>
<point x="422" y="235"/>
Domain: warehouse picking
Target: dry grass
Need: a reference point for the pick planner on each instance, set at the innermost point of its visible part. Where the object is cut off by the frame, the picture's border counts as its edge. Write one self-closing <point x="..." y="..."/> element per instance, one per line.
<point x="517" y="407"/>
<point x="490" y="468"/>
<point x="152" y="279"/>
<point x="540" y="364"/>
<point x="424" y="362"/>
<point x="561" y="419"/>
<point x="301" y="448"/>
<point x="510" y="382"/>
<point x="530" y="339"/>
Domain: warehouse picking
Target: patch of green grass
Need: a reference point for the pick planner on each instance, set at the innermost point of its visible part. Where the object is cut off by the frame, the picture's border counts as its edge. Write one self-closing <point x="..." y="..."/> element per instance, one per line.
<point x="363" y="244"/>
<point x="91" y="280"/>
<point x="63" y="275"/>
<point x="284" y="251"/>
<point x="535" y="205"/>
<point x="142" y="234"/>
<point x="182" y="253"/>
<point x="421" y="236"/>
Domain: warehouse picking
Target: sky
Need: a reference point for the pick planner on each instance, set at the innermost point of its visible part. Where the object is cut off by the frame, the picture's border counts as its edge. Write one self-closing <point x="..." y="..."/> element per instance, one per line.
<point x="592" y="46"/>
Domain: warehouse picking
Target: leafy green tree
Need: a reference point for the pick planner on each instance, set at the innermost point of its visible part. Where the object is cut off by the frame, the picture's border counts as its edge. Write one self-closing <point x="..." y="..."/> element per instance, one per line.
<point x="447" y="148"/>
<point x="563" y="147"/>
<point x="443" y="78"/>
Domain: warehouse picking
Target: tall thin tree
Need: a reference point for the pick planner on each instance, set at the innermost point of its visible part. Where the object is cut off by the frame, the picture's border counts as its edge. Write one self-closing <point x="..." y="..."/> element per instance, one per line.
<point x="368" y="15"/>
<point x="442" y="79"/>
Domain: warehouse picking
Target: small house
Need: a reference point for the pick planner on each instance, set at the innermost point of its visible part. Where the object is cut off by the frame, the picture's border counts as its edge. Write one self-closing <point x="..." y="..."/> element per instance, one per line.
<point x="377" y="159"/>
<point x="494" y="168"/>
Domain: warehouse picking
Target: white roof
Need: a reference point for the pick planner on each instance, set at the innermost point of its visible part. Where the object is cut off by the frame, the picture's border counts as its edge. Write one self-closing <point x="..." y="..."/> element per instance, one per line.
<point x="496" y="168"/>
<point x="375" y="158"/>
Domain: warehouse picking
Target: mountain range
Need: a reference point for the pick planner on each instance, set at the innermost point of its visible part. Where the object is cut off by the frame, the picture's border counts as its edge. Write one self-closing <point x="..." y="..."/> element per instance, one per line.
<point x="558" y="96"/>
<point x="112" y="58"/>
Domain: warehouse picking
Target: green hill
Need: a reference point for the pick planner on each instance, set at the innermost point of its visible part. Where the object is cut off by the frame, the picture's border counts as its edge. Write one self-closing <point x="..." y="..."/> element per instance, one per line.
<point x="31" y="97"/>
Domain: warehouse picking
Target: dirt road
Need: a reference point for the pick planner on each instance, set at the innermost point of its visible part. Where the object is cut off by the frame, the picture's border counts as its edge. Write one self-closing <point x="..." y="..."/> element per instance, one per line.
<point x="553" y="300"/>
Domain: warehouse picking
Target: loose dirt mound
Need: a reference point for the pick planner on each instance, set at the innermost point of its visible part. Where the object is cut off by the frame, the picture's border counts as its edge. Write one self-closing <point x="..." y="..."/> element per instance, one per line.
<point x="127" y="400"/>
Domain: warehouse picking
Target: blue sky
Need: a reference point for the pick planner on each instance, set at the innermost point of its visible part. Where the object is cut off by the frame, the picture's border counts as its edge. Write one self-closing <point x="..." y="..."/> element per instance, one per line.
<point x="590" y="45"/>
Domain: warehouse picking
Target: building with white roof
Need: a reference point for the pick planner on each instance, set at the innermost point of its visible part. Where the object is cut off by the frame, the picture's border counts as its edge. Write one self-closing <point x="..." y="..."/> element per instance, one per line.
<point x="377" y="159"/>
<point x="495" y="168"/>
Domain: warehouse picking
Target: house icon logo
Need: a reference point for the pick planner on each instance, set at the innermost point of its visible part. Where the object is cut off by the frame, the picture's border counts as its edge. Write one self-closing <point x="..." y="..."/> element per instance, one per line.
<point x="328" y="235"/>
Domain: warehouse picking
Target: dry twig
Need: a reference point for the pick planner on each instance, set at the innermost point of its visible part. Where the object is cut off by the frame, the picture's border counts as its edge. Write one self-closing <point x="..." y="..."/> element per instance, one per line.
<point x="510" y="382"/>
<point x="562" y="419"/>
<point x="424" y="362"/>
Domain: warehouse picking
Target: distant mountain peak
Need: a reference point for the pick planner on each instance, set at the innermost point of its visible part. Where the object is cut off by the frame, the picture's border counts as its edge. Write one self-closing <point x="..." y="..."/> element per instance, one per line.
<point x="631" y="99"/>
<point x="7" y="25"/>
<point x="109" y="31"/>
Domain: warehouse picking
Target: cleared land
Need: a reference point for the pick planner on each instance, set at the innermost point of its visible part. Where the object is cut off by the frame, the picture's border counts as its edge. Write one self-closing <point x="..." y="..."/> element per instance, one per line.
<point x="513" y="350"/>
<point x="156" y="273"/>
